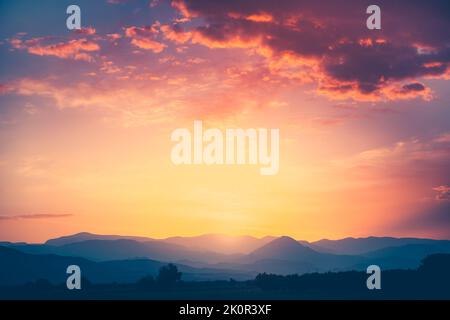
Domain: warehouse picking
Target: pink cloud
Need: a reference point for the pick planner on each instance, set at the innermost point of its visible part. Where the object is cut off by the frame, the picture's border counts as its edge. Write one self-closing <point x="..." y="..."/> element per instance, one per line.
<point x="443" y="192"/>
<point x="175" y="33"/>
<point x="344" y="60"/>
<point x="148" y="44"/>
<point x="145" y="37"/>
<point x="141" y="31"/>
<point x="78" y="49"/>
<point x="87" y="31"/>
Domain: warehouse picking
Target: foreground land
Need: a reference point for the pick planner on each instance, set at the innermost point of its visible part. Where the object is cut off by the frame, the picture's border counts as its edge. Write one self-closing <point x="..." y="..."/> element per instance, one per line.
<point x="430" y="281"/>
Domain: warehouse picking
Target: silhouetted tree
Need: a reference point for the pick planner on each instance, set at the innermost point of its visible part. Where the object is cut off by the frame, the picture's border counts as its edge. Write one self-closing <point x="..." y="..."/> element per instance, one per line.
<point x="168" y="275"/>
<point x="270" y="281"/>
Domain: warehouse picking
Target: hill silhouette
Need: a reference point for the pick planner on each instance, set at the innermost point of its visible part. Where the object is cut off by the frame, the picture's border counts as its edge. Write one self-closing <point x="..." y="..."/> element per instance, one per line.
<point x="282" y="255"/>
<point x="103" y="250"/>
<point x="359" y="246"/>
<point x="84" y="236"/>
<point x="283" y="248"/>
<point x="18" y="268"/>
<point x="285" y="255"/>
<point x="219" y="243"/>
<point x="430" y="281"/>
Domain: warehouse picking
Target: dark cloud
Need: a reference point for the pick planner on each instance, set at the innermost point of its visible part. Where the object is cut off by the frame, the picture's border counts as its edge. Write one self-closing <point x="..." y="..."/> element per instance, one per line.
<point x="373" y="66"/>
<point x="413" y="87"/>
<point x="414" y="40"/>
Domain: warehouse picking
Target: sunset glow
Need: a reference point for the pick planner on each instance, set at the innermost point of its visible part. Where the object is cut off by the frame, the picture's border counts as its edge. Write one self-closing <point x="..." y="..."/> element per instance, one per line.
<point x="86" y="119"/>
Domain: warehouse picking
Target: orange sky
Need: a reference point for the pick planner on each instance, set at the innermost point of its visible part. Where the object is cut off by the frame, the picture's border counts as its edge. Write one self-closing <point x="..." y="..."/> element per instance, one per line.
<point x="86" y="119"/>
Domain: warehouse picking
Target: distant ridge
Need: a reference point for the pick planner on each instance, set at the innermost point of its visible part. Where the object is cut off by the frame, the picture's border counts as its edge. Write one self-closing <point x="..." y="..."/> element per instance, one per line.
<point x="84" y="236"/>
<point x="221" y="243"/>
<point x="282" y="255"/>
<point x="286" y="255"/>
<point x="357" y="246"/>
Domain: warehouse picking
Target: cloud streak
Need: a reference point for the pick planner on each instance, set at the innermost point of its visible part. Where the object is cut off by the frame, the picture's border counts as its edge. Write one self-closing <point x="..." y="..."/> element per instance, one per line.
<point x="34" y="216"/>
<point x="76" y="49"/>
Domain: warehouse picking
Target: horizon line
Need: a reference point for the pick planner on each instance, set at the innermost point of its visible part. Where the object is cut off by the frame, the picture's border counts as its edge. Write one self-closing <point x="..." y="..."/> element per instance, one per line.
<point x="222" y="235"/>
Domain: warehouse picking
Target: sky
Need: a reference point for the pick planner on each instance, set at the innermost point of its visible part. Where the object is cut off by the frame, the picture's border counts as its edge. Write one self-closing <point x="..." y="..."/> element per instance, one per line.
<point x="86" y="118"/>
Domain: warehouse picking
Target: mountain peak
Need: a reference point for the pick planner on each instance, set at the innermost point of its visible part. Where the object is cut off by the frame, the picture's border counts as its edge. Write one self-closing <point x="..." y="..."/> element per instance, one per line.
<point x="85" y="236"/>
<point x="285" y="239"/>
<point x="286" y="242"/>
<point x="284" y="248"/>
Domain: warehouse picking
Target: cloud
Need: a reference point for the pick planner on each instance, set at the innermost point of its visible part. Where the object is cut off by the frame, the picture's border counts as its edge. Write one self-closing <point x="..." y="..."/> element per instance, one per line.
<point x="300" y="41"/>
<point x="131" y="95"/>
<point x="131" y="103"/>
<point x="34" y="216"/>
<point x="443" y="193"/>
<point x="176" y="33"/>
<point x="444" y="138"/>
<point x="148" y="44"/>
<point x="4" y="89"/>
<point x="415" y="158"/>
<point x="141" y="31"/>
<point x="87" y="31"/>
<point x="76" y="49"/>
<point x="144" y="37"/>
<point x="347" y="60"/>
<point x="408" y="91"/>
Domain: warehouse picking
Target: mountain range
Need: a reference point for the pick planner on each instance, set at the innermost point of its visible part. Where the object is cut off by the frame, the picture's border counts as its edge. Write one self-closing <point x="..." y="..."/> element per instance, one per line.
<point x="19" y="268"/>
<point x="125" y="258"/>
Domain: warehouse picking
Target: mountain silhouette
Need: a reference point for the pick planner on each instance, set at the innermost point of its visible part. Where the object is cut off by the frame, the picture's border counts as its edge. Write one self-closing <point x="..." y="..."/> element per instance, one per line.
<point x="221" y="243"/>
<point x="283" y="255"/>
<point x="84" y="236"/>
<point x="357" y="246"/>
<point x="27" y="276"/>
<point x="102" y="250"/>
<point x="286" y="255"/>
<point x="283" y="248"/>
<point x="18" y="268"/>
<point x="405" y="257"/>
<point x="130" y="249"/>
